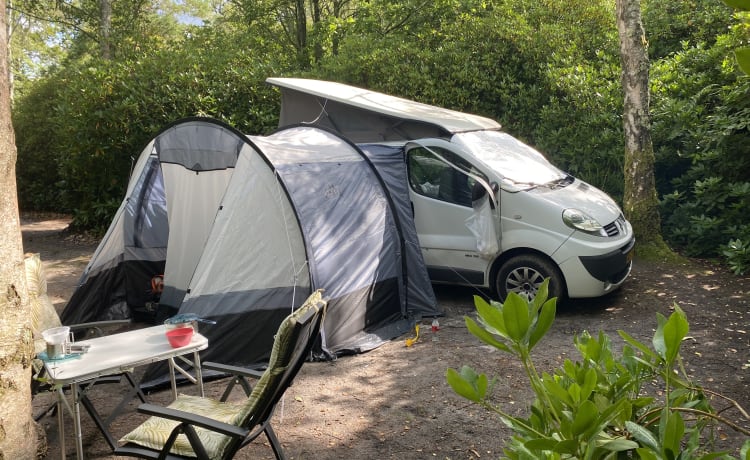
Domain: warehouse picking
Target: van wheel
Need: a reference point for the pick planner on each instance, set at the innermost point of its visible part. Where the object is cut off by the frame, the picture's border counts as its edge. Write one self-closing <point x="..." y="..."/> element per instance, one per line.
<point x="524" y="274"/>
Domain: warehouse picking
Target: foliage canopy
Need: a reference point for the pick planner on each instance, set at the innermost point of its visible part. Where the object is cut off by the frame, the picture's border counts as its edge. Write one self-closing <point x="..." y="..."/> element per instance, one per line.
<point x="548" y="71"/>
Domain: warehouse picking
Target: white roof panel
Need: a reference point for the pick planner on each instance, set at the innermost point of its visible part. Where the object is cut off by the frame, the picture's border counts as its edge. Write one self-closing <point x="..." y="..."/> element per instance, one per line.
<point x="450" y="120"/>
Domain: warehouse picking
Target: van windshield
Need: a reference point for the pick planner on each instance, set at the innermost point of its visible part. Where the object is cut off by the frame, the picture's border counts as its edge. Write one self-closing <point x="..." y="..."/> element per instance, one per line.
<point x="521" y="166"/>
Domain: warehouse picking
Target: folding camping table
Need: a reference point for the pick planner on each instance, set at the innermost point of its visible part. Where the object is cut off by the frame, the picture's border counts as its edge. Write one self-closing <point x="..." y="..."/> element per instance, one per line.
<point x="116" y="354"/>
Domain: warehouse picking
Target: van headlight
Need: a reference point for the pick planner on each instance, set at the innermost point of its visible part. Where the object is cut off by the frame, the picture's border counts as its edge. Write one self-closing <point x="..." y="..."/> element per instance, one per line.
<point x="579" y="220"/>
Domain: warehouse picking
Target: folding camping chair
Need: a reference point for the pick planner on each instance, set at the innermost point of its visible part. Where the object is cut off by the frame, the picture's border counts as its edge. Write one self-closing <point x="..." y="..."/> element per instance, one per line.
<point x="44" y="316"/>
<point x="193" y="427"/>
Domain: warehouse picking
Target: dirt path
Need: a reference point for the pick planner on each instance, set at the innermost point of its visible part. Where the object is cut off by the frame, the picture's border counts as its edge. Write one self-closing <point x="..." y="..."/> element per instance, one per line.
<point x="393" y="402"/>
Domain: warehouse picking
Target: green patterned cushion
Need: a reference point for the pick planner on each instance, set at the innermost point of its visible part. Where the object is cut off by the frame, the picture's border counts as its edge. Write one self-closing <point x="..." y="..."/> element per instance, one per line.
<point x="281" y="353"/>
<point x="155" y="431"/>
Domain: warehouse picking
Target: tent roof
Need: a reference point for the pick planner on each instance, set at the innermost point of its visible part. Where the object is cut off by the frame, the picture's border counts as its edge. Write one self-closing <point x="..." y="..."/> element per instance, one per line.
<point x="449" y="120"/>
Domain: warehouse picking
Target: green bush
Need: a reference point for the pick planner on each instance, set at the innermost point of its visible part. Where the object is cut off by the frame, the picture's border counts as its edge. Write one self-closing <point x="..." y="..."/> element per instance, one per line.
<point x="737" y="253"/>
<point x="97" y="116"/>
<point x="703" y="220"/>
<point x="37" y="173"/>
<point x="548" y="72"/>
<point x="701" y="115"/>
<point x="598" y="407"/>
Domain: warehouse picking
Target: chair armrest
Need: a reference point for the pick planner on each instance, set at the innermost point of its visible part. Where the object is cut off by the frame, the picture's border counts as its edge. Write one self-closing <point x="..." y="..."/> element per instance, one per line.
<point x="232" y="370"/>
<point x="111" y="322"/>
<point x="193" y="419"/>
<point x="98" y="325"/>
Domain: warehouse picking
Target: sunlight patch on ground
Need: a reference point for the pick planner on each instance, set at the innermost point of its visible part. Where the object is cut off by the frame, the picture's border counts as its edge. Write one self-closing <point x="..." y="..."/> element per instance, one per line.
<point x="709" y="287"/>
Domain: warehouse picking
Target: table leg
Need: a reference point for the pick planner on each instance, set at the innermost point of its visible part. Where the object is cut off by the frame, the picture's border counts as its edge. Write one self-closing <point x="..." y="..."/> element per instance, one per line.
<point x="77" y="420"/>
<point x="103" y="424"/>
<point x="195" y="364"/>
<point x="198" y="372"/>
<point x="172" y="379"/>
<point x="61" y="421"/>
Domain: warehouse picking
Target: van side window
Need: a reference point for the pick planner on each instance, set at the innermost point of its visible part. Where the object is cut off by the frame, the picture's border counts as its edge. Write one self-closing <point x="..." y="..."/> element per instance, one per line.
<point x="430" y="176"/>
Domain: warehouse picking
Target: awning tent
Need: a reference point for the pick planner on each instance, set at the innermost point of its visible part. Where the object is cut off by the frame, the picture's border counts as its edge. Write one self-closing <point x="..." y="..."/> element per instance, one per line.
<point x="243" y="229"/>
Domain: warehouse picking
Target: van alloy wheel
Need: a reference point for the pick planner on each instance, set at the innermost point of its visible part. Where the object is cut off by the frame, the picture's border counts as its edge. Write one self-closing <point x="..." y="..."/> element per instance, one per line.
<point x="524" y="274"/>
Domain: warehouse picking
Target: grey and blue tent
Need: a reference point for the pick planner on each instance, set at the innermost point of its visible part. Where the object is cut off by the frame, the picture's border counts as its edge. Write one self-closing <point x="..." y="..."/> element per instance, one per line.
<point x="241" y="229"/>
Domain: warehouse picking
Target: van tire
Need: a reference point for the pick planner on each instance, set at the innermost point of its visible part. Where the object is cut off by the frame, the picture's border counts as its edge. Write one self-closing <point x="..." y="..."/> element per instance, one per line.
<point x="524" y="274"/>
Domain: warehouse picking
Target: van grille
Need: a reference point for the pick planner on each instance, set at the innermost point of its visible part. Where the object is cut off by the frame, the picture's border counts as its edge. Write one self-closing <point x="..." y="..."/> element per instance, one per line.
<point x="616" y="228"/>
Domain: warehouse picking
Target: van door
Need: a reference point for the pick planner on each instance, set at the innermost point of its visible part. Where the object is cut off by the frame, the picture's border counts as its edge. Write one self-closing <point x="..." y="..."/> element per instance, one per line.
<point x="441" y="195"/>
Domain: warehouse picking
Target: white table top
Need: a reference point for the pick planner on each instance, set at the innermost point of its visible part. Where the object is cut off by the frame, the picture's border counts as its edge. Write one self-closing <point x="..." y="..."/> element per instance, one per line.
<point x="119" y="352"/>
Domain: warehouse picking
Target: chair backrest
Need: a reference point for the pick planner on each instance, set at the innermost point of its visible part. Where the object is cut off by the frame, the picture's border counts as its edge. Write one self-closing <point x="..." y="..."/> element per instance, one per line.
<point x="43" y="314"/>
<point x="292" y="344"/>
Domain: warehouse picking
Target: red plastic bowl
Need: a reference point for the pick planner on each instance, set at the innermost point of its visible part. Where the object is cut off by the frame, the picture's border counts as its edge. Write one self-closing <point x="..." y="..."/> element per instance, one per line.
<point x="179" y="337"/>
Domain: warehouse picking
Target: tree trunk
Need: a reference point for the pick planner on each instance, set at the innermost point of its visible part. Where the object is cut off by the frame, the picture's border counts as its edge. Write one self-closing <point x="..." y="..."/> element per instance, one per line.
<point x="301" y="33"/>
<point x="640" y="200"/>
<point x="18" y="433"/>
<point x="105" y="28"/>
<point x="316" y="18"/>
<point x="10" y="17"/>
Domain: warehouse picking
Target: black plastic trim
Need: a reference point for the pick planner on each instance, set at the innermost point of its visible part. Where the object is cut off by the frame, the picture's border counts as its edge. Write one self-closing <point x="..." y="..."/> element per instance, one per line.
<point x="455" y="276"/>
<point x="612" y="267"/>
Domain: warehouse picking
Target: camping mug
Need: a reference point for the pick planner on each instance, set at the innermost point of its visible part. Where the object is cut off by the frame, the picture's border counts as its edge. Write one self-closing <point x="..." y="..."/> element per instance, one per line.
<point x="57" y="340"/>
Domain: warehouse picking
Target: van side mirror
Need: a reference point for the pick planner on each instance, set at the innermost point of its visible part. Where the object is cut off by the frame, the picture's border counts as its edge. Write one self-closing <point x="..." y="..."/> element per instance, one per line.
<point x="478" y="192"/>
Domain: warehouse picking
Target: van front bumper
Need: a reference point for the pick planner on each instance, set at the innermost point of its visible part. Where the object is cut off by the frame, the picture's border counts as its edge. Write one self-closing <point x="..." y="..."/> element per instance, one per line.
<point x="613" y="267"/>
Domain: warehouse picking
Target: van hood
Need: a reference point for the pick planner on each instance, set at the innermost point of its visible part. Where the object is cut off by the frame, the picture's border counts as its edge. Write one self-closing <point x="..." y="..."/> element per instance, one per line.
<point x="584" y="197"/>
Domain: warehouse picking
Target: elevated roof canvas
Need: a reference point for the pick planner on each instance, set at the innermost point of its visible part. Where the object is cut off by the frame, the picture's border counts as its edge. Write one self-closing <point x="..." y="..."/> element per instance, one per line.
<point x="449" y="120"/>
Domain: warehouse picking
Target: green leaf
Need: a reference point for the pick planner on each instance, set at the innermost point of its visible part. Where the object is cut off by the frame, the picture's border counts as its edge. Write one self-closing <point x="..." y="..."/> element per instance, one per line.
<point x="589" y="383"/>
<point x="586" y="415"/>
<point x="567" y="446"/>
<point x="674" y="429"/>
<point x="540" y="444"/>
<point x="491" y="316"/>
<point x="542" y="295"/>
<point x="743" y="5"/>
<point x="658" y="339"/>
<point x="556" y="390"/>
<point x="574" y="390"/>
<point x="642" y="435"/>
<point x="618" y="445"/>
<point x="646" y="454"/>
<point x="467" y="384"/>
<point x="591" y="349"/>
<point x="675" y="330"/>
<point x="745" y="451"/>
<point x="743" y="59"/>
<point x="544" y="321"/>
<point x="516" y="316"/>
<point x="485" y="336"/>
<point x="636" y="344"/>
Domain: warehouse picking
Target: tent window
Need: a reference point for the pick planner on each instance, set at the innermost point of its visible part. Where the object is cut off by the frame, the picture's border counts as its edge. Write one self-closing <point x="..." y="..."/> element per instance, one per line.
<point x="432" y="177"/>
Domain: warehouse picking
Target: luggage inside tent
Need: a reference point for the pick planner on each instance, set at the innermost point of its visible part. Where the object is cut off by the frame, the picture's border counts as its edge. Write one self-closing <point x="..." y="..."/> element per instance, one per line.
<point x="242" y="229"/>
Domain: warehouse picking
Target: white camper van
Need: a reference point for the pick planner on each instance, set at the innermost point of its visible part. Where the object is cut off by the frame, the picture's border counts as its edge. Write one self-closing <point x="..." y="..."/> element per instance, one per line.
<point x="489" y="210"/>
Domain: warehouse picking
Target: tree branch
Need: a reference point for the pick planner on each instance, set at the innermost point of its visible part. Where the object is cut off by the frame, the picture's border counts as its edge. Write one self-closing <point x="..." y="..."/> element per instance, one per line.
<point x="716" y="417"/>
<point x="62" y="22"/>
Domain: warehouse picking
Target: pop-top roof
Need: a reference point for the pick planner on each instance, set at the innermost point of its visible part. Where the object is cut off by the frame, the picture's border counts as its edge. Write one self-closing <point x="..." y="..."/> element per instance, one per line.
<point x="449" y="120"/>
